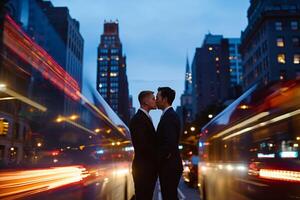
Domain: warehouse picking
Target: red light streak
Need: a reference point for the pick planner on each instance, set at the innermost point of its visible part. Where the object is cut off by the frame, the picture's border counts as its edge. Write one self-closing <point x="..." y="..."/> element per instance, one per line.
<point x="15" y="39"/>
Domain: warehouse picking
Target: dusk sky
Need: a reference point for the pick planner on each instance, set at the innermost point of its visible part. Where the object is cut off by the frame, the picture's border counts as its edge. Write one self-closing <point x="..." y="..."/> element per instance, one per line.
<point x="156" y="35"/>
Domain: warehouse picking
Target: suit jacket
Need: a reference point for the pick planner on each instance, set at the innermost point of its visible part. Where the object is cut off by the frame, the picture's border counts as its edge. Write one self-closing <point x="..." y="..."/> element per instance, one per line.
<point x="168" y="134"/>
<point x="143" y="138"/>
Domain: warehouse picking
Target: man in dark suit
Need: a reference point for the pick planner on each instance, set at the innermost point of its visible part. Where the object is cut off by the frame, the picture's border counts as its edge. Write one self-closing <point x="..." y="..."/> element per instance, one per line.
<point x="143" y="136"/>
<point x="168" y="133"/>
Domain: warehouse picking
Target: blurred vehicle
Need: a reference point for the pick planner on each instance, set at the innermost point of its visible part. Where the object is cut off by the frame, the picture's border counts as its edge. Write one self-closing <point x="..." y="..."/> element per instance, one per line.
<point x="190" y="171"/>
<point x="55" y="141"/>
<point x="251" y="149"/>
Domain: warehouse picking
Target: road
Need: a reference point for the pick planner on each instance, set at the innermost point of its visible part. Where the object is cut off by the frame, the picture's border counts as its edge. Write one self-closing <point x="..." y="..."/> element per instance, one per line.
<point x="184" y="192"/>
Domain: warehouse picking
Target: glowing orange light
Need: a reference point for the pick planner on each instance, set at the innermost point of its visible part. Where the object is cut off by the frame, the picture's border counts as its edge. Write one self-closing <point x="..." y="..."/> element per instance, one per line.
<point x="244" y="107"/>
<point x="25" y="182"/>
<point x="74" y="117"/>
<point x="97" y="130"/>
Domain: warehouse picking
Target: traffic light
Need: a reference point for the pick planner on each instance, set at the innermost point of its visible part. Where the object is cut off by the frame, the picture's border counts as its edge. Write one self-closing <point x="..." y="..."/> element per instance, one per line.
<point x="4" y="125"/>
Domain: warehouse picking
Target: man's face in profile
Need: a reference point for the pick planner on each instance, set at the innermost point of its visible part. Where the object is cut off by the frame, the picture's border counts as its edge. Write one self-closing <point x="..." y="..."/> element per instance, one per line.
<point x="150" y="102"/>
<point x="159" y="100"/>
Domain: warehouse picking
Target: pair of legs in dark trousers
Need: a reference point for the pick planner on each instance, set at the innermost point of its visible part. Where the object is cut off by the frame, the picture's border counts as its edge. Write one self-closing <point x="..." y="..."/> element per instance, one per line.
<point x="169" y="178"/>
<point x="144" y="182"/>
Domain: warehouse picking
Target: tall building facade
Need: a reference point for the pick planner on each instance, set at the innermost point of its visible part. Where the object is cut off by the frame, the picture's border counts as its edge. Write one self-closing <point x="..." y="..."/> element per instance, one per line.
<point x="32" y="81"/>
<point x="112" y="83"/>
<point x="210" y="72"/>
<point x="236" y="70"/>
<point x="68" y="30"/>
<point x="270" y="45"/>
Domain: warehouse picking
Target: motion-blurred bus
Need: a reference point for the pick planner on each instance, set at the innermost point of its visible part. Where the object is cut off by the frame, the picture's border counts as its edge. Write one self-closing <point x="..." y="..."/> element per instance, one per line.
<point x="251" y="149"/>
<point x="55" y="141"/>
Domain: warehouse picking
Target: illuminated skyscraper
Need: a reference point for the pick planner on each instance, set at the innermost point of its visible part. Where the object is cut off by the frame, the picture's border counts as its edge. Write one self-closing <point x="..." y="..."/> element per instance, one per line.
<point x="112" y="81"/>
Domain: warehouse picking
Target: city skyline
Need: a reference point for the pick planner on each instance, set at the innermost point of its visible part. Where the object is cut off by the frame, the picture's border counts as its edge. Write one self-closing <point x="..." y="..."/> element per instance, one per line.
<point x="159" y="40"/>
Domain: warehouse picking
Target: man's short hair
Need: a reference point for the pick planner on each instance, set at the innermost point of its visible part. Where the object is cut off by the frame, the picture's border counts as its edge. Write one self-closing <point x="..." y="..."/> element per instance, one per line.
<point x="144" y="94"/>
<point x="167" y="92"/>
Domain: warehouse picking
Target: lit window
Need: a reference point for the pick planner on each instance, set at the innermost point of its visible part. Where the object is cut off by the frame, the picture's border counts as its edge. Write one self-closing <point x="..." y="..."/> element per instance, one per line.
<point x="280" y="42"/>
<point x="210" y="48"/>
<point x="217" y="59"/>
<point x="278" y="26"/>
<point x="103" y="74"/>
<point x="100" y="58"/>
<point x="112" y="74"/>
<point x="294" y="25"/>
<point x="281" y="58"/>
<point x="297" y="59"/>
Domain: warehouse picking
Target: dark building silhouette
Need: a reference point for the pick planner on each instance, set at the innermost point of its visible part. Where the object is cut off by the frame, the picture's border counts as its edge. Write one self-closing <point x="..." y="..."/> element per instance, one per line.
<point x="210" y="73"/>
<point x="270" y="44"/>
<point x="112" y="81"/>
<point x="131" y="108"/>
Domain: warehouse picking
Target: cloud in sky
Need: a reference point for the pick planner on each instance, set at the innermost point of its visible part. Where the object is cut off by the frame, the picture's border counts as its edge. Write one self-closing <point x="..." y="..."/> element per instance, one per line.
<point x="156" y="34"/>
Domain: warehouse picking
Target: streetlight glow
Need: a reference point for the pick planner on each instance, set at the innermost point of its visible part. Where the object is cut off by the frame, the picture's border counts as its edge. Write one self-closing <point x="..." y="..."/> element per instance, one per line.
<point x="193" y="128"/>
<point x="97" y="130"/>
<point x="74" y="117"/>
<point x="2" y="86"/>
<point x="59" y="119"/>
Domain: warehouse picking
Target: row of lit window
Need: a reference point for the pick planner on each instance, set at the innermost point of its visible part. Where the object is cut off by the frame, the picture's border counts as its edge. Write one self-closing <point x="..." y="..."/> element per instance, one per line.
<point x="294" y="25"/>
<point x="281" y="58"/>
<point x="281" y="42"/>
<point x="112" y="74"/>
<point x="107" y="58"/>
